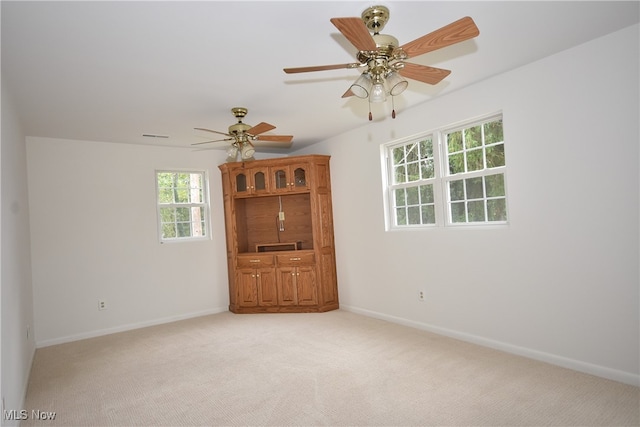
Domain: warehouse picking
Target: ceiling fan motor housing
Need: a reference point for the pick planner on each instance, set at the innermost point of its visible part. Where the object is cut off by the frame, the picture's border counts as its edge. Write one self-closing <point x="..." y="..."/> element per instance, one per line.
<point x="385" y="43"/>
<point x="381" y="62"/>
<point x="239" y="128"/>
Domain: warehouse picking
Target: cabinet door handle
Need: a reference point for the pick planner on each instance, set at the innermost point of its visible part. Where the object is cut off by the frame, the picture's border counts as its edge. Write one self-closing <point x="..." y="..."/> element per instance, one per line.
<point x="254" y="260"/>
<point x="295" y="259"/>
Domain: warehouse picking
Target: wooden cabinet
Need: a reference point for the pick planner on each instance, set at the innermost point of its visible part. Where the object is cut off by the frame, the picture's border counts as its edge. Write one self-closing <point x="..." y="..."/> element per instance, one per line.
<point x="279" y="233"/>
<point x="297" y="279"/>
<point x="256" y="281"/>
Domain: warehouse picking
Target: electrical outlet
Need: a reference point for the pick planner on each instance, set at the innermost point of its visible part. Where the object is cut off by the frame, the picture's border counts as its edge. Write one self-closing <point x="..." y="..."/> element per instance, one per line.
<point x="102" y="305"/>
<point x="421" y="295"/>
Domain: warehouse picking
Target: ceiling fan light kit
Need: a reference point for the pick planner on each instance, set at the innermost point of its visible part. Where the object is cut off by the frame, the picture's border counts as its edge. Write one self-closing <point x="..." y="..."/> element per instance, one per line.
<point x="384" y="58"/>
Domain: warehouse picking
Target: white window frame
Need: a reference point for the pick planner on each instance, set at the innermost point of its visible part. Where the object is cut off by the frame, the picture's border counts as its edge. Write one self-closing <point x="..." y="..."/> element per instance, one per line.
<point x="466" y="175"/>
<point x="390" y="187"/>
<point x="203" y="205"/>
<point x="440" y="181"/>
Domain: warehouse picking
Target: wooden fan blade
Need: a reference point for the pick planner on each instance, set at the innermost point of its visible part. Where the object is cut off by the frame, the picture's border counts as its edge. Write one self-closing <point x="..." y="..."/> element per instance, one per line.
<point x="214" y="131"/>
<point x="260" y="128"/>
<point x="275" y="138"/>
<point x="458" y="31"/>
<point x="424" y="73"/>
<point x="348" y="93"/>
<point x="216" y="140"/>
<point x="320" y="68"/>
<point x="356" y="32"/>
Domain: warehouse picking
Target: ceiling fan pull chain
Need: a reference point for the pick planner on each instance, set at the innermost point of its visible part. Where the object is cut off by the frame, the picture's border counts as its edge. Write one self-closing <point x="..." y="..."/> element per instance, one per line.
<point x="393" y="108"/>
<point x="370" y="116"/>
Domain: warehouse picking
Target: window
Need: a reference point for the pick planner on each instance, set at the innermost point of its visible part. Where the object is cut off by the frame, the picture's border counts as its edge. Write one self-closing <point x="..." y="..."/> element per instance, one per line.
<point x="413" y="169"/>
<point x="448" y="177"/>
<point x="182" y="205"/>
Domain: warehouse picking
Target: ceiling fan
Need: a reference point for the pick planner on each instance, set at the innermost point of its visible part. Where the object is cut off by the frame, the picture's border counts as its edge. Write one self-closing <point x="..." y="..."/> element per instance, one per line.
<point x="245" y="138"/>
<point x="384" y="60"/>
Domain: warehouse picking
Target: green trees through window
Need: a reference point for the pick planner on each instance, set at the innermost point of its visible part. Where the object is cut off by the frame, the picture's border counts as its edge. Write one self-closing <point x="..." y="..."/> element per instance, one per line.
<point x="413" y="173"/>
<point x="476" y="152"/>
<point x="451" y="176"/>
<point x="182" y="204"/>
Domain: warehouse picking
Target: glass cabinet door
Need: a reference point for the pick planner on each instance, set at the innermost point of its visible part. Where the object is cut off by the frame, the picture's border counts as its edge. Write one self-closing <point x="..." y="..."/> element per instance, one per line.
<point x="280" y="176"/>
<point x="241" y="183"/>
<point x="259" y="181"/>
<point x="299" y="177"/>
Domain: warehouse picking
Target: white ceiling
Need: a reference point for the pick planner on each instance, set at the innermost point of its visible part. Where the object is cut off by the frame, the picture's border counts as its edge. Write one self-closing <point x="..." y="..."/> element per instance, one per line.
<point x="113" y="71"/>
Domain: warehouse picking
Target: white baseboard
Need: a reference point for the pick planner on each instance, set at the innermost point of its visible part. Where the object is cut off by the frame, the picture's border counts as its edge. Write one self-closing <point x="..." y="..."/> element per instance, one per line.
<point x="576" y="365"/>
<point x="128" y="327"/>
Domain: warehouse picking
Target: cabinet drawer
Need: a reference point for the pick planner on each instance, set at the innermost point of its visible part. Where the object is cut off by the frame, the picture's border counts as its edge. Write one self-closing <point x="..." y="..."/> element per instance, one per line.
<point x="296" y="259"/>
<point x="255" y="261"/>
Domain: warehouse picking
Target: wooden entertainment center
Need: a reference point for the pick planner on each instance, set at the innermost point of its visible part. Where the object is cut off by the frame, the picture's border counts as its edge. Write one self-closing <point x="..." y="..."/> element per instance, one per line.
<point x="279" y="230"/>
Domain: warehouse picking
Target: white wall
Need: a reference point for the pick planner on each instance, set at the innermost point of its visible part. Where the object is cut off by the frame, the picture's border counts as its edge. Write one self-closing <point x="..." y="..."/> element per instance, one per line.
<point x="94" y="237"/>
<point x="16" y="291"/>
<point x="560" y="282"/>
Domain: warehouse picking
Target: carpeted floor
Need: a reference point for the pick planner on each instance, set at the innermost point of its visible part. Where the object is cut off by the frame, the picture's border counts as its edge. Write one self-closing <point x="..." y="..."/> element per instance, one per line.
<point x="335" y="369"/>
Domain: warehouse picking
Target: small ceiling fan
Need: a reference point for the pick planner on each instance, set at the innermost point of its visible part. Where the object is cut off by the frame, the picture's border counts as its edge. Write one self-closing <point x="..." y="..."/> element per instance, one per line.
<point x="384" y="60"/>
<point x="245" y="138"/>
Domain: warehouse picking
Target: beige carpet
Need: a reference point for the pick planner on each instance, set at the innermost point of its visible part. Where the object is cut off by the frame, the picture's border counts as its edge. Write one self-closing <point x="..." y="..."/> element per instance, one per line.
<point x="335" y="368"/>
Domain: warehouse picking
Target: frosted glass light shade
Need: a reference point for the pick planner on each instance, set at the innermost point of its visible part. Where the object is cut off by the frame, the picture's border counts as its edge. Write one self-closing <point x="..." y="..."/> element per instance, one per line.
<point x="377" y="93"/>
<point x="362" y="86"/>
<point x="247" y="151"/>
<point x="232" y="153"/>
<point x="397" y="83"/>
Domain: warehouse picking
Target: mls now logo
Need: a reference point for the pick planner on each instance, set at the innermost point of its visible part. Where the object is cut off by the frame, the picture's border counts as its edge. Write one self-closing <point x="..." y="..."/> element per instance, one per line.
<point x="23" y="414"/>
